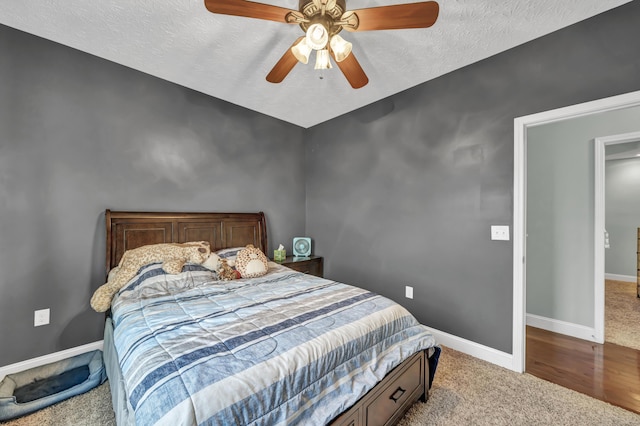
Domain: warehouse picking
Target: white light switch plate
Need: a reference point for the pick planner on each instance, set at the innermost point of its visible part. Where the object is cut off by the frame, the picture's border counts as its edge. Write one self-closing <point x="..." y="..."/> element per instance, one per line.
<point x="41" y="317"/>
<point x="408" y="292"/>
<point x="500" y="232"/>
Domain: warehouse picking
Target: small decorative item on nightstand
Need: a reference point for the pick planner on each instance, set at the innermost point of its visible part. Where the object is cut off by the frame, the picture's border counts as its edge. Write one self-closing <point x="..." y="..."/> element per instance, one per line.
<point x="302" y="246"/>
<point x="279" y="254"/>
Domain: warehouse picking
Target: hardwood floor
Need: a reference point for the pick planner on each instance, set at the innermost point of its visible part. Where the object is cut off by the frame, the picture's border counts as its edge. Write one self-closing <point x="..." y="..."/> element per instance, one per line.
<point x="607" y="372"/>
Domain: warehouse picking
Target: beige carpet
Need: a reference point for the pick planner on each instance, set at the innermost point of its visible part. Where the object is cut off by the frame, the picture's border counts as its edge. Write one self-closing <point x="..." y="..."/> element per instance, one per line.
<point x="466" y="391"/>
<point x="622" y="314"/>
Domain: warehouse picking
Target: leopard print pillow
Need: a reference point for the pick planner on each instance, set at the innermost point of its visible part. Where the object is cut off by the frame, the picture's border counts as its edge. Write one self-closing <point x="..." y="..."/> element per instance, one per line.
<point x="251" y="262"/>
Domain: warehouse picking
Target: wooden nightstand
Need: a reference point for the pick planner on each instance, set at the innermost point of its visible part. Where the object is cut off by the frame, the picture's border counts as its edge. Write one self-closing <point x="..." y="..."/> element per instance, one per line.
<point x="312" y="265"/>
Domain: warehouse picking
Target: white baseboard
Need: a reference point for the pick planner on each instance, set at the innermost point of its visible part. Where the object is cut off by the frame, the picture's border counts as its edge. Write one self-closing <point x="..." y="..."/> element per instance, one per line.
<point x="557" y="326"/>
<point x="48" y="359"/>
<point x="617" y="277"/>
<point x="474" y="349"/>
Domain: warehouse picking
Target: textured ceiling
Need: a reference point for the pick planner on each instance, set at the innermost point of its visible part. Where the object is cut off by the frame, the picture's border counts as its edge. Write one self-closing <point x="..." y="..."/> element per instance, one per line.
<point x="228" y="57"/>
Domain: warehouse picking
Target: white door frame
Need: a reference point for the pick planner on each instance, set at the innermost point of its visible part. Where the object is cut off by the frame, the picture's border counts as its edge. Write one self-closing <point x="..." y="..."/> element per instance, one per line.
<point x="521" y="124"/>
<point x="600" y="205"/>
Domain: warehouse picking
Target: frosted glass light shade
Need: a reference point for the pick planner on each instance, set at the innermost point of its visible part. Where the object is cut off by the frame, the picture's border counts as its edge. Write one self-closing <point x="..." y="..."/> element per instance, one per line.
<point x="341" y="48"/>
<point x="322" y="60"/>
<point x="317" y="36"/>
<point x="301" y="51"/>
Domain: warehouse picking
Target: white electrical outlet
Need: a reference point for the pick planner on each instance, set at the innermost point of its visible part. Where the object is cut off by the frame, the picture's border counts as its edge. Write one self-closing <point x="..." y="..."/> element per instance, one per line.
<point x="408" y="292"/>
<point x="500" y="232"/>
<point x="41" y="317"/>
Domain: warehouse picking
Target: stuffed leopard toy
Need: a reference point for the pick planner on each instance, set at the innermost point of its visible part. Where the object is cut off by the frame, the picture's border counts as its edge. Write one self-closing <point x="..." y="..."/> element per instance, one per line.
<point x="172" y="255"/>
<point x="251" y="262"/>
<point x="226" y="272"/>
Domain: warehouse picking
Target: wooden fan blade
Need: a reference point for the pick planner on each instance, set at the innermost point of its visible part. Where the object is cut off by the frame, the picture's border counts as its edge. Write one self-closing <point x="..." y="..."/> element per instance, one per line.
<point x="352" y="70"/>
<point x="396" y="17"/>
<point x="284" y="65"/>
<point x="248" y="9"/>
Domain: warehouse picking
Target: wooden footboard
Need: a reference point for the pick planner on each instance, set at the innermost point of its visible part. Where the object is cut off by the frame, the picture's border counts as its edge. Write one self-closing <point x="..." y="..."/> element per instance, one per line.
<point x="390" y="399"/>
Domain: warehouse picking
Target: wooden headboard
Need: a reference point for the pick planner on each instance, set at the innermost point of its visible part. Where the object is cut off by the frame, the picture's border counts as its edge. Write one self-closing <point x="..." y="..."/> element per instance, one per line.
<point x="128" y="230"/>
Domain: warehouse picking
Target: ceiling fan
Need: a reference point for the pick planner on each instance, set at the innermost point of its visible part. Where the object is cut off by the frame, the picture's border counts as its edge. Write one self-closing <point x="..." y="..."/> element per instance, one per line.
<point x="322" y="20"/>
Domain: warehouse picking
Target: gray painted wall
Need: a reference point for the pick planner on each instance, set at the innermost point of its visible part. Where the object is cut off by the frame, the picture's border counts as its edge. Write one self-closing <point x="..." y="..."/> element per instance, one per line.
<point x="78" y="135"/>
<point x="560" y="213"/>
<point x="403" y="192"/>
<point x="622" y="217"/>
<point x="400" y="192"/>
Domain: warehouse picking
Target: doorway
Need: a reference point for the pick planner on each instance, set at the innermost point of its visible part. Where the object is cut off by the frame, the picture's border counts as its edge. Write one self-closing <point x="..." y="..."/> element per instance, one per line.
<point x="521" y="127"/>
<point x="617" y="158"/>
<point x="599" y="369"/>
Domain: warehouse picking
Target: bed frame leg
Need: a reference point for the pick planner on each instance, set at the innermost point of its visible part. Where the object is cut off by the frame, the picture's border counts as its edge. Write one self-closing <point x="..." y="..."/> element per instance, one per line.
<point x="425" y="363"/>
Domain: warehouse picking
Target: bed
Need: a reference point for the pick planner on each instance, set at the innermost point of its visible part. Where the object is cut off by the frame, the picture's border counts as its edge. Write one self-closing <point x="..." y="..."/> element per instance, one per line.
<point x="284" y="348"/>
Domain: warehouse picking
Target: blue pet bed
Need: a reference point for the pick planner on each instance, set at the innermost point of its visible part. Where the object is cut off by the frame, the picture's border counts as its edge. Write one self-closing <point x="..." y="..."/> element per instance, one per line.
<point x="31" y="390"/>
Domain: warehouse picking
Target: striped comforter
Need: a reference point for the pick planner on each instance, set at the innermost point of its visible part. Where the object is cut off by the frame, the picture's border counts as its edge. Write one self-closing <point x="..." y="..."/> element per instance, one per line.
<point x="285" y="348"/>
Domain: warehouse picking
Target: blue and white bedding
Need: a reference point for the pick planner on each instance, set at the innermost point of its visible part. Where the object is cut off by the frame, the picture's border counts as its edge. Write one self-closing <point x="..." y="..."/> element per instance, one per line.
<point x="285" y="348"/>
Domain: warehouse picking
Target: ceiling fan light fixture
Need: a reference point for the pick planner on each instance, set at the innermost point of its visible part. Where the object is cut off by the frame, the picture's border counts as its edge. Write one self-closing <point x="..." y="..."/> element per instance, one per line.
<point x="340" y="47"/>
<point x="302" y="51"/>
<point x="321" y="21"/>
<point x="317" y="36"/>
<point x="322" y="60"/>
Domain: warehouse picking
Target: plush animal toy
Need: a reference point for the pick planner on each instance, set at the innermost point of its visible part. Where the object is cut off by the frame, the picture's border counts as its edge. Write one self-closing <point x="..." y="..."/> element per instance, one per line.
<point x="226" y="272"/>
<point x="251" y="262"/>
<point x="172" y="255"/>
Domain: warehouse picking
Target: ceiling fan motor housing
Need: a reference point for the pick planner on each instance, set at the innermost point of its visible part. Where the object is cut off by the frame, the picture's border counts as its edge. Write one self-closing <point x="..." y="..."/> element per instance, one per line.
<point x="333" y="13"/>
